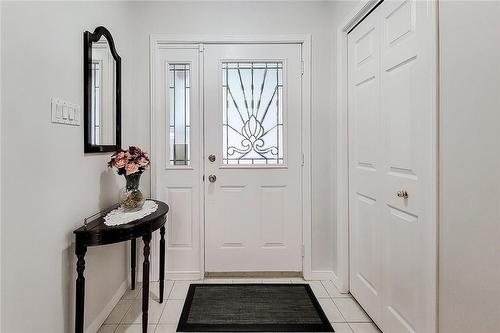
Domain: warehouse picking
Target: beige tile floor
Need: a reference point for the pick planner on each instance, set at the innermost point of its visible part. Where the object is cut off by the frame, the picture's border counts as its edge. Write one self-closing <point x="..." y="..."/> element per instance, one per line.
<point x="342" y="310"/>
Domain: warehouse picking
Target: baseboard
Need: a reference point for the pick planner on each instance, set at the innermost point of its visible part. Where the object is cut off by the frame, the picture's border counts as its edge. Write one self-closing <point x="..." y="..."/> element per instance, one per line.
<point x="187" y="275"/>
<point x="328" y="275"/>
<point x="323" y="275"/>
<point x="336" y="282"/>
<point x="97" y="323"/>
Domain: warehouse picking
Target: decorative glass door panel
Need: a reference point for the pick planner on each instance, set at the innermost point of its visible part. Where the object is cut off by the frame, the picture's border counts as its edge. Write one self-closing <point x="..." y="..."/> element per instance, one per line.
<point x="252" y="121"/>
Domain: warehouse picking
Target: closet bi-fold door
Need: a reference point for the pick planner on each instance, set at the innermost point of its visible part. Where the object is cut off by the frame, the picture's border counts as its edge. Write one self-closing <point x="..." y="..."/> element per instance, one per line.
<point x="391" y="116"/>
<point x="365" y="165"/>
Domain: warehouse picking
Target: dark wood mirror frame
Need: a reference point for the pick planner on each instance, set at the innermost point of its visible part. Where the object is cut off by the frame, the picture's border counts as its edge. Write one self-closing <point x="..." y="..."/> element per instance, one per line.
<point x="88" y="39"/>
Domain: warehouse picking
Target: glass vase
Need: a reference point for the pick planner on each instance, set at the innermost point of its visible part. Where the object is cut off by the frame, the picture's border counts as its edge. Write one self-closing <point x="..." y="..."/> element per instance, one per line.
<point x="131" y="196"/>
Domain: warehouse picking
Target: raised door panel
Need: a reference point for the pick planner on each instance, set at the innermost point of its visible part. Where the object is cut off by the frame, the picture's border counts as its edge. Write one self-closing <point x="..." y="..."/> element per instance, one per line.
<point x="180" y="226"/>
<point x="272" y="217"/>
<point x="403" y="272"/>
<point x="236" y="210"/>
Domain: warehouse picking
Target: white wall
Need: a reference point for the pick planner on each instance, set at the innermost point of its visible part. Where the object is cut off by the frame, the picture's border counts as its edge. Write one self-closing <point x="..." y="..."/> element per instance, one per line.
<point x="48" y="184"/>
<point x="469" y="226"/>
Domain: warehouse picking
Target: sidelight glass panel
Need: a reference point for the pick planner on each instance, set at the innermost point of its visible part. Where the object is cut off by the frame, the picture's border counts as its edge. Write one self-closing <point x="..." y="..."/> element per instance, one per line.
<point x="179" y="125"/>
<point x="252" y="120"/>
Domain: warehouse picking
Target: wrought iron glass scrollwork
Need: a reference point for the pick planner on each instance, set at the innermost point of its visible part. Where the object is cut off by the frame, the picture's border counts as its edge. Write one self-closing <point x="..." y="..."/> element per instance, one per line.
<point x="252" y="113"/>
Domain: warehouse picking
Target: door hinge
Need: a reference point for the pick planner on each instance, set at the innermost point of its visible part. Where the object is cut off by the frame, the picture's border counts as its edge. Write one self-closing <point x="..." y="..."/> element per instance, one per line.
<point x="303" y="251"/>
<point x="302" y="67"/>
<point x="303" y="159"/>
<point x="203" y="177"/>
<point x="201" y="47"/>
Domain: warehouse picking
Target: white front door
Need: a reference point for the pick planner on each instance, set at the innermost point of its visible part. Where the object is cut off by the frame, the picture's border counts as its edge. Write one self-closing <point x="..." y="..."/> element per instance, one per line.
<point x="392" y="156"/>
<point x="253" y="156"/>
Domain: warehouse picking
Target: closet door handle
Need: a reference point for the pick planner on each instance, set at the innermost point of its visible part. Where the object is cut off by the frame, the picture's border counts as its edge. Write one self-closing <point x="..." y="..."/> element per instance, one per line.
<point x="402" y="194"/>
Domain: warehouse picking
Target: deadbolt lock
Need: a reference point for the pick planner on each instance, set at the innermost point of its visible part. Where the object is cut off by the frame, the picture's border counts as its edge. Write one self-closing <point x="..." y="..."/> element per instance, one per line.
<point x="402" y="194"/>
<point x="212" y="178"/>
<point x="211" y="158"/>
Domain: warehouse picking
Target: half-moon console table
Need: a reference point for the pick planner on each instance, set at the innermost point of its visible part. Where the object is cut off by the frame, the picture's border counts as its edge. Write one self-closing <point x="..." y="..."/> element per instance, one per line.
<point x="97" y="233"/>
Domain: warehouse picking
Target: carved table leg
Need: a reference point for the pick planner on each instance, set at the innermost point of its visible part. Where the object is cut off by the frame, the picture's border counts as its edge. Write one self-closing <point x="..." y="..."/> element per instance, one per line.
<point x="132" y="262"/>
<point x="162" y="262"/>
<point x="145" y="283"/>
<point x="80" y="288"/>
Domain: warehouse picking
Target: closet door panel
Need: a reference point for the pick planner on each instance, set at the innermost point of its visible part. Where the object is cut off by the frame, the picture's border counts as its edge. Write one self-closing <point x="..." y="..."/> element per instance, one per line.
<point x="364" y="122"/>
<point x="391" y="126"/>
<point x="404" y="135"/>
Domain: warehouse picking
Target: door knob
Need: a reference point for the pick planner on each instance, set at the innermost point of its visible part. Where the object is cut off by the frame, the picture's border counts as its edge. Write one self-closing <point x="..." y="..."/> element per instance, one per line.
<point x="402" y="194"/>
<point x="211" y="158"/>
<point x="212" y="178"/>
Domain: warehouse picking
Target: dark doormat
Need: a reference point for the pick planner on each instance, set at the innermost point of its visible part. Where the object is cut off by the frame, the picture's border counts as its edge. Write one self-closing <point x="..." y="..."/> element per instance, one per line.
<point x="252" y="308"/>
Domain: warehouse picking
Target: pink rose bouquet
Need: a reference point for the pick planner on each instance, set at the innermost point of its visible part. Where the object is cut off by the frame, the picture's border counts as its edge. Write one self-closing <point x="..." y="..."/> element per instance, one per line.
<point x="131" y="161"/>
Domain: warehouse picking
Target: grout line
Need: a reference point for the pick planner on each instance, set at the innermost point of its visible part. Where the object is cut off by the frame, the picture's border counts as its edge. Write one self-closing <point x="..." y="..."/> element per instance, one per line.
<point x="339" y="311"/>
<point x="129" y="307"/>
<point x="165" y="299"/>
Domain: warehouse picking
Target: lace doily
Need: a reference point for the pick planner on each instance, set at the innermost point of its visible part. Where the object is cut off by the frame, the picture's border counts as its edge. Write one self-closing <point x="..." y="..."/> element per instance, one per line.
<point x="119" y="216"/>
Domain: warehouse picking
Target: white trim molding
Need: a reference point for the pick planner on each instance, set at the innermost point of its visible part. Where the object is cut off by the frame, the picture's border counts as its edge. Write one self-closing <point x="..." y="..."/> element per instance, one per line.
<point x="106" y="311"/>
<point x="156" y="41"/>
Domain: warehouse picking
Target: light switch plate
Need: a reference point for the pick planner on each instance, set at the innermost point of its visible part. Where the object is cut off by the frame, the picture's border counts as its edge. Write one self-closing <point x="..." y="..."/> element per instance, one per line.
<point x="63" y="112"/>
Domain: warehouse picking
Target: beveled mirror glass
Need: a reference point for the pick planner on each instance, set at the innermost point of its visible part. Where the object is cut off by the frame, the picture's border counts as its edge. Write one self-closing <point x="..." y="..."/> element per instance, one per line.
<point x="102" y="100"/>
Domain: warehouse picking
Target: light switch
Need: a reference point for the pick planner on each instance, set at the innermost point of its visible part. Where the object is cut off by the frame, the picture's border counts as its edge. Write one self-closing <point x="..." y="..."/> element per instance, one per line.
<point x="63" y="112"/>
<point x="77" y="115"/>
<point x="58" y="111"/>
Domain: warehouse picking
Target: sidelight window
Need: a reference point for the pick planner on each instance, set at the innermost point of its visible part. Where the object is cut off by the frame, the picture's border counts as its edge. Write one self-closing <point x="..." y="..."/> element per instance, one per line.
<point x="179" y="127"/>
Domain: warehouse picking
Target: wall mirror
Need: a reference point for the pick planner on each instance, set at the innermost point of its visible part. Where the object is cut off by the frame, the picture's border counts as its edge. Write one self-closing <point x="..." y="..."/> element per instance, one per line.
<point x="102" y="92"/>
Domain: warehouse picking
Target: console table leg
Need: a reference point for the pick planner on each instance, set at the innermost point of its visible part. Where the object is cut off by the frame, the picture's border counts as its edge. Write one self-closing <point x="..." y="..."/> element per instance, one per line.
<point x="80" y="288"/>
<point x="132" y="262"/>
<point x="162" y="262"/>
<point x="145" y="283"/>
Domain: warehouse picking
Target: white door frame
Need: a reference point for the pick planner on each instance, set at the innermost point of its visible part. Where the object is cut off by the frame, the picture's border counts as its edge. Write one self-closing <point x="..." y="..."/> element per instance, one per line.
<point x="156" y="40"/>
<point x="342" y="174"/>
